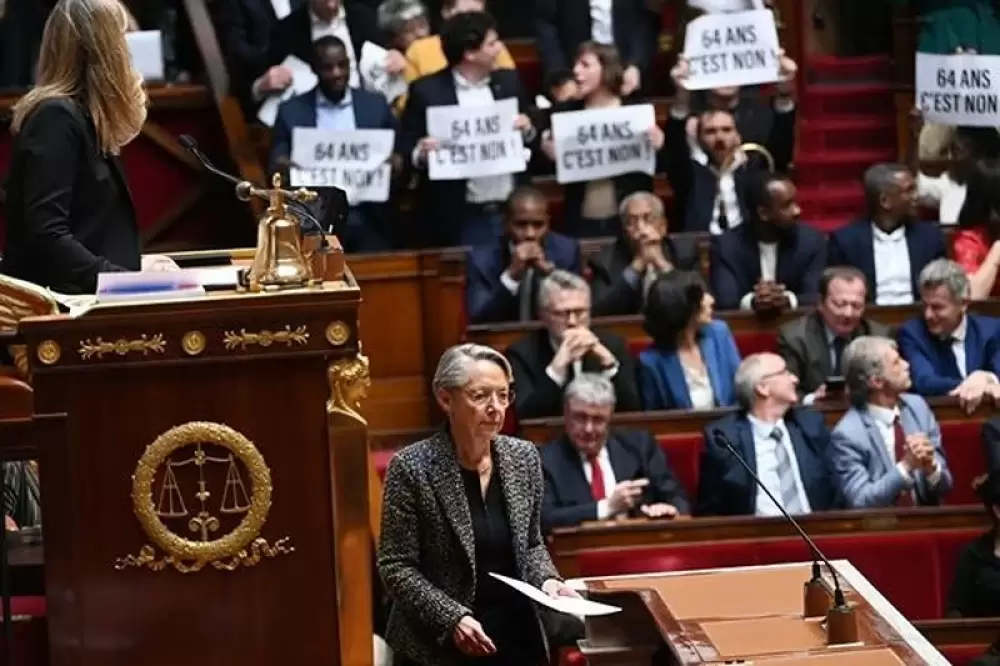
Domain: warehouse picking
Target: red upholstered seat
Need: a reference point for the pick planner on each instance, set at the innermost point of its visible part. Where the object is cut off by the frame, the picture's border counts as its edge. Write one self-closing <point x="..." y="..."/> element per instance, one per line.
<point x="683" y="452"/>
<point x="381" y="459"/>
<point x="756" y="342"/>
<point x="960" y="655"/>
<point x="963" y="449"/>
<point x="636" y="347"/>
<point x="31" y="643"/>
<point x="682" y="557"/>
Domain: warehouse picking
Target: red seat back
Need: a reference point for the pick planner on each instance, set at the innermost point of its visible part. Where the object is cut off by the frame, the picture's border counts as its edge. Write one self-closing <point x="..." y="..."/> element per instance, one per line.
<point x="963" y="449"/>
<point x="683" y="455"/>
<point x="756" y="342"/>
<point x="960" y="655"/>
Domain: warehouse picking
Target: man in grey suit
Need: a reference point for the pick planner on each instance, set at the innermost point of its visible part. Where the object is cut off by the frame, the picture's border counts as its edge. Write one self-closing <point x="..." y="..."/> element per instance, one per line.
<point x="887" y="447"/>
<point x="813" y="345"/>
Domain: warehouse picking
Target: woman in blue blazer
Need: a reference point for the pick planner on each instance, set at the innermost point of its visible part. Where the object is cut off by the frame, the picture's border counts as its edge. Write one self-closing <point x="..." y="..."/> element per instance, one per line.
<point x="694" y="357"/>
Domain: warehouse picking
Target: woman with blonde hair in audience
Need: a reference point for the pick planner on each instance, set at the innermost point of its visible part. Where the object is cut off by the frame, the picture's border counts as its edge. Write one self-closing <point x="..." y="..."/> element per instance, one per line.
<point x="591" y="208"/>
<point x="976" y="244"/>
<point x="693" y="359"/>
<point x="69" y="211"/>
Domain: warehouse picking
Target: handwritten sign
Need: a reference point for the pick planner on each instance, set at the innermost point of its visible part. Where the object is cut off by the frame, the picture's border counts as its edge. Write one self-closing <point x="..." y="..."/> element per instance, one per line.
<point x="603" y="143"/>
<point x="355" y="161"/>
<point x="475" y="141"/>
<point x="959" y="89"/>
<point x="733" y="49"/>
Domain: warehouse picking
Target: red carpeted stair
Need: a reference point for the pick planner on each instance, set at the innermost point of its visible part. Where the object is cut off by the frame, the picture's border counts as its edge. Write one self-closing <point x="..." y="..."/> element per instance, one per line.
<point x="847" y="122"/>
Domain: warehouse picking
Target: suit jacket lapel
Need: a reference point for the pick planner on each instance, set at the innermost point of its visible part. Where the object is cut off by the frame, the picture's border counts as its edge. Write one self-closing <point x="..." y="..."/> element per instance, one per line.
<point x="804" y="456"/>
<point x="676" y="384"/>
<point x="916" y="259"/>
<point x="622" y="463"/>
<point x="866" y="257"/>
<point x="876" y="441"/>
<point x="450" y="491"/>
<point x="580" y="490"/>
<point x="748" y="450"/>
<point x="449" y="92"/>
<point x="972" y="346"/>
<point x="816" y="346"/>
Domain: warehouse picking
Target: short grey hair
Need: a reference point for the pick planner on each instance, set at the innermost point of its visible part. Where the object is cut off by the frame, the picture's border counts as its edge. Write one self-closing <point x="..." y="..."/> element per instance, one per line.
<point x="948" y="274"/>
<point x="863" y="361"/>
<point x="560" y="280"/>
<point x="453" y="369"/>
<point x="878" y="178"/>
<point x="592" y="389"/>
<point x="748" y="375"/>
<point x="655" y="202"/>
<point x="393" y="15"/>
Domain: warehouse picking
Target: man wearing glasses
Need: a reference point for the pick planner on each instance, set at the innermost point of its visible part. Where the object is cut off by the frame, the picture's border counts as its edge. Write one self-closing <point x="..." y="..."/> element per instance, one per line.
<point x="546" y="360"/>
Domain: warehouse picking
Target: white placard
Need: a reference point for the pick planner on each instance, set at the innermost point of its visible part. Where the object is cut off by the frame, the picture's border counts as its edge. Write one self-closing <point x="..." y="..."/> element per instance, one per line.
<point x="373" y="74"/>
<point x="355" y="161"/>
<point x="571" y="605"/>
<point x="603" y="143"/>
<point x="303" y="80"/>
<point x="146" y="48"/>
<point x="737" y="49"/>
<point x="475" y="141"/>
<point x="959" y="89"/>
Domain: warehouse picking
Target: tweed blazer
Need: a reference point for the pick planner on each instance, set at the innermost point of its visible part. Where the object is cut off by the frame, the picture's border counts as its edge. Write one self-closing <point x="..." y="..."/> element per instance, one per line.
<point x="427" y="552"/>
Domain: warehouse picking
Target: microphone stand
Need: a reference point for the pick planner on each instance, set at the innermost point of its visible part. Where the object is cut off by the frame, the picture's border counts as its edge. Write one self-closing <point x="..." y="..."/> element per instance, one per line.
<point x="840" y="620"/>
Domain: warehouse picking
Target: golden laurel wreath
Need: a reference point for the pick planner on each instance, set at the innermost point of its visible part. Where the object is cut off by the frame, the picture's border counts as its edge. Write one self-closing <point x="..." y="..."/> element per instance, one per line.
<point x="186" y="555"/>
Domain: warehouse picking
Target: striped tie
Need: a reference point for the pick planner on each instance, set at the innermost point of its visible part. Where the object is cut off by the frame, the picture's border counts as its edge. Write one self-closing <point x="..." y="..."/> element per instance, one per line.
<point x="787" y="492"/>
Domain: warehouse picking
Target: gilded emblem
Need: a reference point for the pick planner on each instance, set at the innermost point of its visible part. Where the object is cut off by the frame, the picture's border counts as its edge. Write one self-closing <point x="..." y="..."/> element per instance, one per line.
<point x="193" y="343"/>
<point x="181" y="468"/>
<point x="144" y="344"/>
<point x="48" y="352"/>
<point x="337" y="333"/>
<point x="265" y="338"/>
<point x="349" y="384"/>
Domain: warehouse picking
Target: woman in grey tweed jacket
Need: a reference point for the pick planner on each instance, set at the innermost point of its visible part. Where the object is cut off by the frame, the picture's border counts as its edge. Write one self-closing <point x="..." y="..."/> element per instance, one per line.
<point x="457" y="506"/>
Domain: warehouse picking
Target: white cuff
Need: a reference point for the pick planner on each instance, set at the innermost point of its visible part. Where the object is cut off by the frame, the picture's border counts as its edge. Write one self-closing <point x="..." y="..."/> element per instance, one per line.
<point x="415" y="157"/>
<point x="907" y="475"/>
<point x="679" y="111"/>
<point x="510" y="283"/>
<point x="793" y="300"/>
<point x="610" y="373"/>
<point x="934" y="478"/>
<point x="746" y="303"/>
<point x="558" y="378"/>
<point x="809" y="399"/>
<point x="603" y="509"/>
<point x="255" y="90"/>
<point x="784" y="105"/>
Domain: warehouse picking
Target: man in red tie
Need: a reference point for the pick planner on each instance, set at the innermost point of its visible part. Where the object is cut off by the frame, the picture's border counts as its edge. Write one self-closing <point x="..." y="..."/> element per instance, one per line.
<point x="594" y="472"/>
<point x="887" y="446"/>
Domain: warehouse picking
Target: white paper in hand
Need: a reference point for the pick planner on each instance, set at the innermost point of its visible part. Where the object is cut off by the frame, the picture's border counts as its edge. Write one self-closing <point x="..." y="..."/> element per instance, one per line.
<point x="570" y="605"/>
<point x="374" y="76"/>
<point x="303" y="80"/>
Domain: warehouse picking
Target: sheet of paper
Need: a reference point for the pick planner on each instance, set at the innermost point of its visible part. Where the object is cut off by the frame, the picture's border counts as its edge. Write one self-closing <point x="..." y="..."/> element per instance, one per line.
<point x="146" y="48"/>
<point x="570" y="605"/>
<point x="374" y="76"/>
<point x="303" y="80"/>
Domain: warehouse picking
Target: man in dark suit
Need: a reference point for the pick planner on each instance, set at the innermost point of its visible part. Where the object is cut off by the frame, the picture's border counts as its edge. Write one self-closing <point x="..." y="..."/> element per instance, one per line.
<point x="546" y="360"/>
<point x="785" y="445"/>
<point x="772" y="263"/>
<point x="244" y="28"/>
<point x="892" y="246"/>
<point x="336" y="106"/>
<point x="950" y="351"/>
<point x="561" y="26"/>
<point x="813" y="345"/>
<point x="622" y="273"/>
<point x="593" y="472"/>
<point x="462" y="212"/>
<point x="502" y="278"/>
<point x="991" y="441"/>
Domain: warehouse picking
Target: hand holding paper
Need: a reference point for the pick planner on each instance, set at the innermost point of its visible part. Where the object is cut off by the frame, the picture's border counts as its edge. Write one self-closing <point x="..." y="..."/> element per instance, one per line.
<point x="562" y="602"/>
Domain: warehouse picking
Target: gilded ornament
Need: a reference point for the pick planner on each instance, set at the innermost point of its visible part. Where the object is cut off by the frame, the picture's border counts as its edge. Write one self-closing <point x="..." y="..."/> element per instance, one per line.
<point x="144" y="344"/>
<point x="265" y="338"/>
<point x="243" y="546"/>
<point x="48" y="352"/>
<point x="349" y="383"/>
<point x="193" y="343"/>
<point x="337" y="333"/>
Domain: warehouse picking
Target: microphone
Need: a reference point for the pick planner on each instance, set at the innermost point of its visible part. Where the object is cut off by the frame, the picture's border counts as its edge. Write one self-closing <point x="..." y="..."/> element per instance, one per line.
<point x="838" y="594"/>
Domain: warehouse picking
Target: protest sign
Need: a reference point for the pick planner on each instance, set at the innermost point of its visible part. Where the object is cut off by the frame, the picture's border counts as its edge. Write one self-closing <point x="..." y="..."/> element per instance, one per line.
<point x="958" y="89"/>
<point x="735" y="49"/>
<point x="355" y="161"/>
<point x="603" y="143"/>
<point x="475" y="141"/>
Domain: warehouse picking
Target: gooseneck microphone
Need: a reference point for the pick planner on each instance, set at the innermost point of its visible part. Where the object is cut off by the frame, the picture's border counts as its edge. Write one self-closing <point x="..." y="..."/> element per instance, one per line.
<point x="838" y="594"/>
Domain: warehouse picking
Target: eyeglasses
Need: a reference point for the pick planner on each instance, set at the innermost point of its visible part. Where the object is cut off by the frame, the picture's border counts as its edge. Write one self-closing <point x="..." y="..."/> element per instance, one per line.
<point x="482" y="397"/>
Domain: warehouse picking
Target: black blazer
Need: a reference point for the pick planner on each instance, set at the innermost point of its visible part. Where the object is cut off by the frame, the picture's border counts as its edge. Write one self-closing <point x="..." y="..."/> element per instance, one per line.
<point x="69" y="211"/>
<point x="537" y="396"/>
<point x="633" y="454"/>
<point x="612" y="293"/>
<point x="991" y="443"/>
<point x="443" y="201"/>
<point x="244" y="28"/>
<point x="293" y="34"/>
<point x="734" y="261"/>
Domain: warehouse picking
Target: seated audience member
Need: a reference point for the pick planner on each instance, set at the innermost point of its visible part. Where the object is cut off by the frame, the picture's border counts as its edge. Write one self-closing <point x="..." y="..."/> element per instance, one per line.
<point x="975" y="590"/>
<point x="334" y="105"/>
<point x="425" y="56"/>
<point x="591" y="208"/>
<point x="710" y="179"/>
<point x="887" y="446"/>
<point x="813" y="344"/>
<point x="403" y="22"/>
<point x="595" y="472"/>
<point x="622" y="273"/>
<point x="891" y="247"/>
<point x="785" y="444"/>
<point x="462" y="212"/>
<point x="950" y="351"/>
<point x="502" y="277"/>
<point x="560" y="88"/>
<point x="245" y="28"/>
<point x="691" y="362"/>
<point x="546" y="360"/>
<point x="562" y="26"/>
<point x="772" y="263"/>
<point x="991" y="441"/>
<point x="976" y="244"/>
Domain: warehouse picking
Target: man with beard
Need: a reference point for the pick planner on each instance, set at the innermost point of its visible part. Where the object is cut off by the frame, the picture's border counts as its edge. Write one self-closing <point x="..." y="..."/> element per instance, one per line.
<point x="891" y="246"/>
<point x="773" y="263"/>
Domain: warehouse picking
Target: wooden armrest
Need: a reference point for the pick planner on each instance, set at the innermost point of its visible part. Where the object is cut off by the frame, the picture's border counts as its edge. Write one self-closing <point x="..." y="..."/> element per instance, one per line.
<point x="16" y="398"/>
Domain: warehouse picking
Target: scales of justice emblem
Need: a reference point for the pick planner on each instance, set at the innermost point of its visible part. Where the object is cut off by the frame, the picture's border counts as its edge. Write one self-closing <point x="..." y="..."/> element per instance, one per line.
<point x="180" y="468"/>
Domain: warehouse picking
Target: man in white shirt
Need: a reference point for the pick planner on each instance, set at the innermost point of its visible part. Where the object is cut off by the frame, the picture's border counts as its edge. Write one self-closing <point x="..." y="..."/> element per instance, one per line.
<point x="887" y="447"/>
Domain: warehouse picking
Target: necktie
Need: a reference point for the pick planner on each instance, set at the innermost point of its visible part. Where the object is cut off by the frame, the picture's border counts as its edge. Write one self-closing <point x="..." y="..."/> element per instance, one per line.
<point x="787" y="492"/>
<point x="524" y="295"/>
<point x="906" y="497"/>
<point x="596" y="479"/>
<point x="839" y="344"/>
<point x="723" y="220"/>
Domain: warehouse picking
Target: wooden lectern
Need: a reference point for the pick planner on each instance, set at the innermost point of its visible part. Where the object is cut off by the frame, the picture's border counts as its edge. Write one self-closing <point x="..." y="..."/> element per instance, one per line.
<point x="748" y="615"/>
<point x="210" y="503"/>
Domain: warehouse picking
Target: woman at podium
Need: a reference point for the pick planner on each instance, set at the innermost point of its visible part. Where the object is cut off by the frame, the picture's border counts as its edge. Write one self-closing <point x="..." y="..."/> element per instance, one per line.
<point x="69" y="211"/>
<point x="456" y="507"/>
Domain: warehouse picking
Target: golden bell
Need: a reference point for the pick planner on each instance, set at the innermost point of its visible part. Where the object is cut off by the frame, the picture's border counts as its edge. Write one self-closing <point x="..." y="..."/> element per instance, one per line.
<point x="279" y="262"/>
